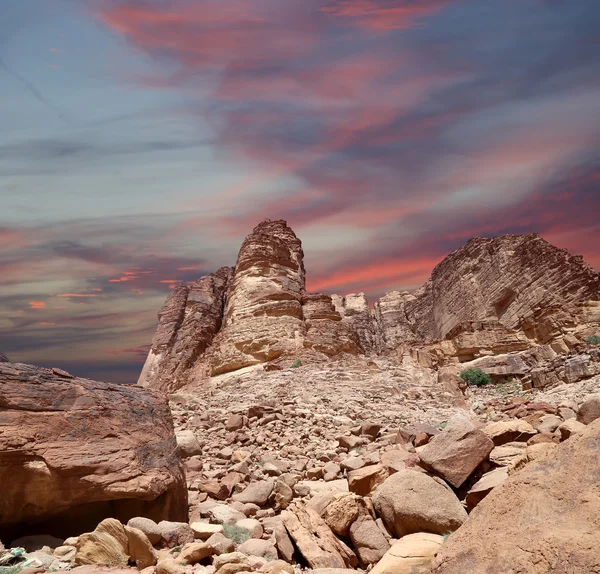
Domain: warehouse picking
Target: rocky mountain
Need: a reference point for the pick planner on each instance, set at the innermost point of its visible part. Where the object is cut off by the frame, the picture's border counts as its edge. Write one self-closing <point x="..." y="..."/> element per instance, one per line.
<point x="515" y="303"/>
<point x="287" y="432"/>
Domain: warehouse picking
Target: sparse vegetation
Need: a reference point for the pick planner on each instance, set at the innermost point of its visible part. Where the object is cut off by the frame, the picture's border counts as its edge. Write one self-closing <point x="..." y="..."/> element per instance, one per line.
<point x="235" y="533"/>
<point x="593" y="340"/>
<point x="445" y="536"/>
<point x="297" y="363"/>
<point x="475" y="377"/>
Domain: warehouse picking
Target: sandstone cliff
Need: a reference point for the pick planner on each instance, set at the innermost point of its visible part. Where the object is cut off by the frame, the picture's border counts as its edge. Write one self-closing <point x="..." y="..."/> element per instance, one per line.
<point x="498" y="296"/>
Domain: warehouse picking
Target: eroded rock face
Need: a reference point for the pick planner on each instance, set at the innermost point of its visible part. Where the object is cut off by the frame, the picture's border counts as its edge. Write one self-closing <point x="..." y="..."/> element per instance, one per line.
<point x="512" y="305"/>
<point x="188" y="322"/>
<point x="74" y="451"/>
<point x="263" y="313"/>
<point x="504" y="279"/>
<point x="542" y="519"/>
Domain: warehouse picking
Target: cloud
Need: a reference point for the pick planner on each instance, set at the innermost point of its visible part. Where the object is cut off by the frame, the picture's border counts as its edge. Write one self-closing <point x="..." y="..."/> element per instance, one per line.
<point x="384" y="15"/>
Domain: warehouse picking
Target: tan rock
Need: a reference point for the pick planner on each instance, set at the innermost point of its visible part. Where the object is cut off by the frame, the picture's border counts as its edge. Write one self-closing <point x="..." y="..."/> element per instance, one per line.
<point x="194" y="552"/>
<point x="516" y="430"/>
<point x="147" y="526"/>
<point x="100" y="548"/>
<point x="484" y="486"/>
<point x="367" y="538"/>
<point x="256" y="492"/>
<point x="570" y="427"/>
<point x="413" y="554"/>
<point x="410" y="501"/>
<point x="256" y="547"/>
<point x="589" y="411"/>
<point x="314" y="539"/>
<point x="542" y="519"/>
<point x="169" y="566"/>
<point x="395" y="460"/>
<point x="509" y="455"/>
<point x="220" y="543"/>
<point x="204" y="530"/>
<point x="457" y="451"/>
<point x="341" y="512"/>
<point x="188" y="444"/>
<point x="364" y="481"/>
<point x="141" y="551"/>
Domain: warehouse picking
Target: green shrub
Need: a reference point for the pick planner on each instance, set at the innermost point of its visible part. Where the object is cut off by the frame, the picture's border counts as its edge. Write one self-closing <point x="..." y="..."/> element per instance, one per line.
<point x="235" y="533"/>
<point x="475" y="377"/>
<point x="593" y="340"/>
<point x="297" y="363"/>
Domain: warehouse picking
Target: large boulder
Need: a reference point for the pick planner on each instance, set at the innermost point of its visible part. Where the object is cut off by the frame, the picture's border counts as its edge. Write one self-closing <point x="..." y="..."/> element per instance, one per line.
<point x="590" y="410"/>
<point x="410" y="501"/>
<point x="541" y="520"/>
<point x="457" y="451"/>
<point x="74" y="451"/>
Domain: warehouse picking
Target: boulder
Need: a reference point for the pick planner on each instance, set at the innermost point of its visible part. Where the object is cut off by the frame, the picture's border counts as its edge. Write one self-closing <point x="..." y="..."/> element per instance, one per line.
<point x="484" y="486"/>
<point x="101" y="549"/>
<point x="220" y="543"/>
<point x="516" y="430"/>
<point x="570" y="427"/>
<point x="410" y="501"/>
<point x="542" y="519"/>
<point x="147" y="526"/>
<point x="204" y="530"/>
<point x="141" y="552"/>
<point x="255" y="493"/>
<point x="367" y="539"/>
<point x="188" y="444"/>
<point x="256" y="547"/>
<point x="194" y="552"/>
<point x="314" y="540"/>
<point x="341" y="512"/>
<point x="73" y="451"/>
<point x="175" y="533"/>
<point x="457" y="451"/>
<point x="589" y="411"/>
<point x="364" y="481"/>
<point x="411" y="555"/>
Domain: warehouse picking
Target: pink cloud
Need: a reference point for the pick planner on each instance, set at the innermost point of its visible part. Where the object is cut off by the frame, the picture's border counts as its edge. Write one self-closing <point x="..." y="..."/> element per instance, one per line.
<point x="384" y="15"/>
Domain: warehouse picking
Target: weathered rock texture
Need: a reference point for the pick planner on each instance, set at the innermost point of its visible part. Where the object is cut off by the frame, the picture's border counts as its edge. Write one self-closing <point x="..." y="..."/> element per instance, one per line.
<point x="74" y="451"/>
<point x="543" y="519"/>
<point x="513" y="305"/>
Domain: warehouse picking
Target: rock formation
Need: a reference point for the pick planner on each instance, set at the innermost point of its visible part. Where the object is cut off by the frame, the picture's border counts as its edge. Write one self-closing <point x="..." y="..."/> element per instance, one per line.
<point x="517" y="304"/>
<point x="73" y="451"/>
<point x="3" y="358"/>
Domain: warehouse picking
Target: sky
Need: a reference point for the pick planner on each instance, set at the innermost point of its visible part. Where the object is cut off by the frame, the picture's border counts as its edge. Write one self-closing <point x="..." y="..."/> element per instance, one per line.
<point x="142" y="140"/>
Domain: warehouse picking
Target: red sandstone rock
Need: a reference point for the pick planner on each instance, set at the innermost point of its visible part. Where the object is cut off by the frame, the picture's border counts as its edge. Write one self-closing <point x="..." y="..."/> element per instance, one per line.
<point x="74" y="451"/>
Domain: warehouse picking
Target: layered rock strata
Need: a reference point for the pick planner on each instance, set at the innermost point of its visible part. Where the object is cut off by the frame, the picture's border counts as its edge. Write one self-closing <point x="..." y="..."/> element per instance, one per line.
<point x="73" y="451"/>
<point x="514" y="296"/>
